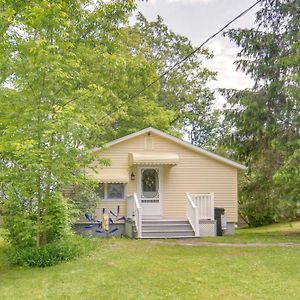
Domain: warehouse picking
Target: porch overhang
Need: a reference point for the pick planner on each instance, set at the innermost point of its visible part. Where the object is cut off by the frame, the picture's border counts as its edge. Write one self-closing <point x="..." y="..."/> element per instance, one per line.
<point x="153" y="158"/>
<point x="110" y="176"/>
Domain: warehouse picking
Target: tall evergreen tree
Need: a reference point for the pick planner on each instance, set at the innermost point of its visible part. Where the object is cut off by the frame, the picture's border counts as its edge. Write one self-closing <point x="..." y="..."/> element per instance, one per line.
<point x="264" y="121"/>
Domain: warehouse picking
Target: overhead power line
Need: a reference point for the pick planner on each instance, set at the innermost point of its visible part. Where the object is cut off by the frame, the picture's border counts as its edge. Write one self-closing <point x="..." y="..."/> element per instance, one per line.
<point x="193" y="52"/>
<point x="136" y="94"/>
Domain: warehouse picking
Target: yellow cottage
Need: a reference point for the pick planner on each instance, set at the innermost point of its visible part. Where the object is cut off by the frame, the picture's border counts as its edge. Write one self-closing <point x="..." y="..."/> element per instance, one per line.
<point x="166" y="187"/>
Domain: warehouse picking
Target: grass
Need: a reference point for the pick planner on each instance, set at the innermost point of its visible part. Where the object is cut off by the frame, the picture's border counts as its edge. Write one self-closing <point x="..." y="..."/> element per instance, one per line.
<point x="141" y="269"/>
<point x="275" y="233"/>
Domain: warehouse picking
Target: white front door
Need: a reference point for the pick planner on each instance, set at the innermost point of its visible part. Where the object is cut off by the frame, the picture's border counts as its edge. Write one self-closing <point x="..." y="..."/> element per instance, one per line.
<point x="150" y="191"/>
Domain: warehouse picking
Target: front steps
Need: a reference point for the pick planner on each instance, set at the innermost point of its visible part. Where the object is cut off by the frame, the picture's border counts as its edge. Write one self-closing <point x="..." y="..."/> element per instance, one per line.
<point x="152" y="229"/>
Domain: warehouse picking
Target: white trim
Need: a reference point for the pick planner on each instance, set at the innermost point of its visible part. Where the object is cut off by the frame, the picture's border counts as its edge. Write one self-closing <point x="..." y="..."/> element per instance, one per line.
<point x="176" y="140"/>
<point x="106" y="199"/>
<point x="160" y="188"/>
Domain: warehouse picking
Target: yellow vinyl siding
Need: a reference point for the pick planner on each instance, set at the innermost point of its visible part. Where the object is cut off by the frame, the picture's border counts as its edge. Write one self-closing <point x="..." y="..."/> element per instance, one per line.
<point x="195" y="173"/>
<point x="118" y="155"/>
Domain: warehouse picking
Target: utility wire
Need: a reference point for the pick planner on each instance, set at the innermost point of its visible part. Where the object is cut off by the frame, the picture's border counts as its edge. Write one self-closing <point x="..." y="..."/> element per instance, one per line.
<point x="134" y="95"/>
<point x="193" y="52"/>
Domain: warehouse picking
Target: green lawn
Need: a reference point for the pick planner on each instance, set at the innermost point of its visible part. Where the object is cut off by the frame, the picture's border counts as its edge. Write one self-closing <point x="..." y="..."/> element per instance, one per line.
<point x="281" y="233"/>
<point x="134" y="269"/>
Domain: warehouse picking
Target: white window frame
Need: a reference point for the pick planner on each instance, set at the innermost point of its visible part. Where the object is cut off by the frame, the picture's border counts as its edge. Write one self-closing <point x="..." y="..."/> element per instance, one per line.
<point x="113" y="199"/>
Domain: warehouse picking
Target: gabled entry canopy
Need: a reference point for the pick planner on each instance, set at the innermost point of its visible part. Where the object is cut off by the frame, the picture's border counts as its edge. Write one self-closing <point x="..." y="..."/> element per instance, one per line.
<point x="153" y="158"/>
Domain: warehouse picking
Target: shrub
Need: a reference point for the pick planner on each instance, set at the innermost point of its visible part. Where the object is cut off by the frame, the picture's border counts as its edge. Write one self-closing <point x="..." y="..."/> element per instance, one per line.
<point x="260" y="203"/>
<point x="286" y="211"/>
<point x="21" y="221"/>
<point x="27" y="228"/>
<point x="258" y="211"/>
<point x="49" y="254"/>
<point x="266" y="210"/>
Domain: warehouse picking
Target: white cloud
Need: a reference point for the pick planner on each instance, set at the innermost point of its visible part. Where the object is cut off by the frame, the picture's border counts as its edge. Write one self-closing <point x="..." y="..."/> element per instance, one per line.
<point x="223" y="63"/>
<point x="190" y="1"/>
<point x="182" y="2"/>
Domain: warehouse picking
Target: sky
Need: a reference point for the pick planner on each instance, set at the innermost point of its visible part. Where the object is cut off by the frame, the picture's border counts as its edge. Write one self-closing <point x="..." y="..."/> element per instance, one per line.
<point x="199" y="19"/>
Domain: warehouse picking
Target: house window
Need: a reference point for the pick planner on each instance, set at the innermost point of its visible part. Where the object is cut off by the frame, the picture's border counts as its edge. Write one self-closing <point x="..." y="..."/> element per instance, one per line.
<point x="111" y="191"/>
<point x="100" y="191"/>
<point x="115" y="191"/>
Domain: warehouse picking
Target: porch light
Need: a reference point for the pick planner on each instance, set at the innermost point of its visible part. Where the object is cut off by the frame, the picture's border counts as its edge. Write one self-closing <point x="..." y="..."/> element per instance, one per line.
<point x="132" y="176"/>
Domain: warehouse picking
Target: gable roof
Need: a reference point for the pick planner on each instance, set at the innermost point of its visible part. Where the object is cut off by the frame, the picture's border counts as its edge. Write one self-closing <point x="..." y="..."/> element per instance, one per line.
<point x="178" y="141"/>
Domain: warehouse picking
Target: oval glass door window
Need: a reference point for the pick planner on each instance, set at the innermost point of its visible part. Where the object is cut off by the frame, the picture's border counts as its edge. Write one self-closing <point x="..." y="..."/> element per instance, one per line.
<point x="150" y="183"/>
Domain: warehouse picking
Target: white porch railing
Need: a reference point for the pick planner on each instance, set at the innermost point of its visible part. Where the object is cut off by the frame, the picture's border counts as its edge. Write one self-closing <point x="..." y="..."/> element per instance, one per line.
<point x="199" y="207"/>
<point x="205" y="204"/>
<point x="192" y="214"/>
<point x="134" y="212"/>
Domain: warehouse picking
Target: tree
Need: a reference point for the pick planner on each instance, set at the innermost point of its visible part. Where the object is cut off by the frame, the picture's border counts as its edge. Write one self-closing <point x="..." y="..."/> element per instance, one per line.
<point x="249" y="139"/>
<point x="64" y="81"/>
<point x="264" y="121"/>
<point x="184" y="99"/>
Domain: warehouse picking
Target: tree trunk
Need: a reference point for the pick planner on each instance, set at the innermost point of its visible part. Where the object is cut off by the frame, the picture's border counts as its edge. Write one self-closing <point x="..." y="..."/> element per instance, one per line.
<point x="38" y="213"/>
<point x="46" y="210"/>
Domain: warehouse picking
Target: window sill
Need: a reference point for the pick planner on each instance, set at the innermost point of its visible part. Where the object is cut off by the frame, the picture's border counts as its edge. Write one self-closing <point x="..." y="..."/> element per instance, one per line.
<point x="107" y="200"/>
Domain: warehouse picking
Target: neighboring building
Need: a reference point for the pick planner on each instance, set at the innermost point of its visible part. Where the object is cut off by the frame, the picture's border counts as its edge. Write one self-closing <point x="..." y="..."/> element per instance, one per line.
<point x="166" y="187"/>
